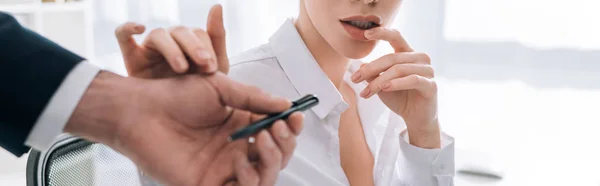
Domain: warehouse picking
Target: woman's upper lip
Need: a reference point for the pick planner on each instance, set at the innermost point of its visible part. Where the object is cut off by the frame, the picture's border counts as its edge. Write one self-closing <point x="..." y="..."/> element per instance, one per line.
<point x="371" y="18"/>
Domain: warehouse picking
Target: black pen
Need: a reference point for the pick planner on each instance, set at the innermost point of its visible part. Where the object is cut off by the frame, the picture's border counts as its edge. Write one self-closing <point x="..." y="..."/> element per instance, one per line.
<point x="301" y="104"/>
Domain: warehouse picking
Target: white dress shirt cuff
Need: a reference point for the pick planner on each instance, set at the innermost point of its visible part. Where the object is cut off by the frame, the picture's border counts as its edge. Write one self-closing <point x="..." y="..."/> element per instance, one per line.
<point x="426" y="166"/>
<point x="55" y="116"/>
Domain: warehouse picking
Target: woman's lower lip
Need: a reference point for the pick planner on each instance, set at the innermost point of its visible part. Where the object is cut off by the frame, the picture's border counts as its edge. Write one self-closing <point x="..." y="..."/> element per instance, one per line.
<point x="356" y="33"/>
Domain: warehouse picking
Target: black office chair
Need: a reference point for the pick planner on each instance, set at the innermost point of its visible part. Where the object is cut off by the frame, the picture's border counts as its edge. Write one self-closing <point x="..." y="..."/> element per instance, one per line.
<point x="72" y="161"/>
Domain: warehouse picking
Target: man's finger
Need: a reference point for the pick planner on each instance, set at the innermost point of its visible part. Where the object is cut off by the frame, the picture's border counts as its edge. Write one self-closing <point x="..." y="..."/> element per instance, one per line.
<point x="223" y="159"/>
<point x="285" y="135"/>
<point x="285" y="139"/>
<point x="293" y="124"/>
<point x="245" y="97"/>
<point x="125" y="39"/>
<point x="205" y="39"/>
<point x="296" y="122"/>
<point x="216" y="31"/>
<point x="245" y="173"/>
<point x="199" y="51"/>
<point x="394" y="37"/>
<point x="221" y="169"/>
<point x="270" y="158"/>
<point x="161" y="41"/>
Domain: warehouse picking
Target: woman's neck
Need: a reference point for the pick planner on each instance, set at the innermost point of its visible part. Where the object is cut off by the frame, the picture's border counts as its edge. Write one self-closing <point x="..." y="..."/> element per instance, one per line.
<point x="331" y="62"/>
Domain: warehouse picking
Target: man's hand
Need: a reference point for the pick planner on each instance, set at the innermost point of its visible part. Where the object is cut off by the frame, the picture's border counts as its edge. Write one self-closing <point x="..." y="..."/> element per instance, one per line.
<point x="176" y="129"/>
<point x="158" y="44"/>
<point x="163" y="53"/>
<point x="404" y="82"/>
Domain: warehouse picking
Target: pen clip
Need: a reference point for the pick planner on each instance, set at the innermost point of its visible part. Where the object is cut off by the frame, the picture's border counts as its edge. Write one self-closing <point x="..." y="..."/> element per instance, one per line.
<point x="303" y="100"/>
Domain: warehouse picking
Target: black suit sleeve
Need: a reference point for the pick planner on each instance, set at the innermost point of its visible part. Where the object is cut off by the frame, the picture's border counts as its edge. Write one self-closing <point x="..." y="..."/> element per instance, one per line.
<point x="31" y="70"/>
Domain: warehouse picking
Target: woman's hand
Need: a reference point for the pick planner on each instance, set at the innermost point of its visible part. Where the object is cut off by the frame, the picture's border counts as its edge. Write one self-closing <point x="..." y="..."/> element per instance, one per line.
<point x="404" y="82"/>
<point x="163" y="53"/>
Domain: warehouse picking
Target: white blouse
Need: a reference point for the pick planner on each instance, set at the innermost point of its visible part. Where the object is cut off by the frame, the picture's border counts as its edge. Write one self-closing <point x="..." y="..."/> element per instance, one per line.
<point x="285" y="67"/>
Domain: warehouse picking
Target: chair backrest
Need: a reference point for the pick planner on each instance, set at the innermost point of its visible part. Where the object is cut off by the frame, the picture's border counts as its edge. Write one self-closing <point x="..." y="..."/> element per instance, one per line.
<point x="72" y="161"/>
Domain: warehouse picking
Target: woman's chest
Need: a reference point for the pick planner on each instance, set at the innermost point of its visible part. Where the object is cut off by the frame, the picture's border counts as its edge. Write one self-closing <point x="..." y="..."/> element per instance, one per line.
<point x="322" y="148"/>
<point x="356" y="158"/>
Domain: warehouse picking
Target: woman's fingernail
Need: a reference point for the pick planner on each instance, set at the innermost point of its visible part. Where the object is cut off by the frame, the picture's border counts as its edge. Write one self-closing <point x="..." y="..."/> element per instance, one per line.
<point x="356" y="76"/>
<point x="365" y="92"/>
<point x="386" y="85"/>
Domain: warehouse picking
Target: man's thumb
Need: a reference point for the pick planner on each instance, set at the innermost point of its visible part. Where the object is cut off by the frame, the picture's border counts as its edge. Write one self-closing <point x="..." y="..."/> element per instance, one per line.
<point x="246" y="97"/>
<point x="216" y="30"/>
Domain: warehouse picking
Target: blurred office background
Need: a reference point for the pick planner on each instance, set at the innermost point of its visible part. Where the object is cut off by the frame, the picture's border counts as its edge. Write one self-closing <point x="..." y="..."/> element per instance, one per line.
<point x="519" y="79"/>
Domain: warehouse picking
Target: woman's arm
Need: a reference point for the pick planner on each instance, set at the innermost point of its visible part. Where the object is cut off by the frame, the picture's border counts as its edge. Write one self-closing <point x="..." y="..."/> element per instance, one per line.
<point x="404" y="81"/>
<point x="422" y="166"/>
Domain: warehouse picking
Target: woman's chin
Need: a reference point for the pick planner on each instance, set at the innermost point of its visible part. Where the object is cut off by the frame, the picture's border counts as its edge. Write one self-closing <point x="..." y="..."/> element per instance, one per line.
<point x="359" y="50"/>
